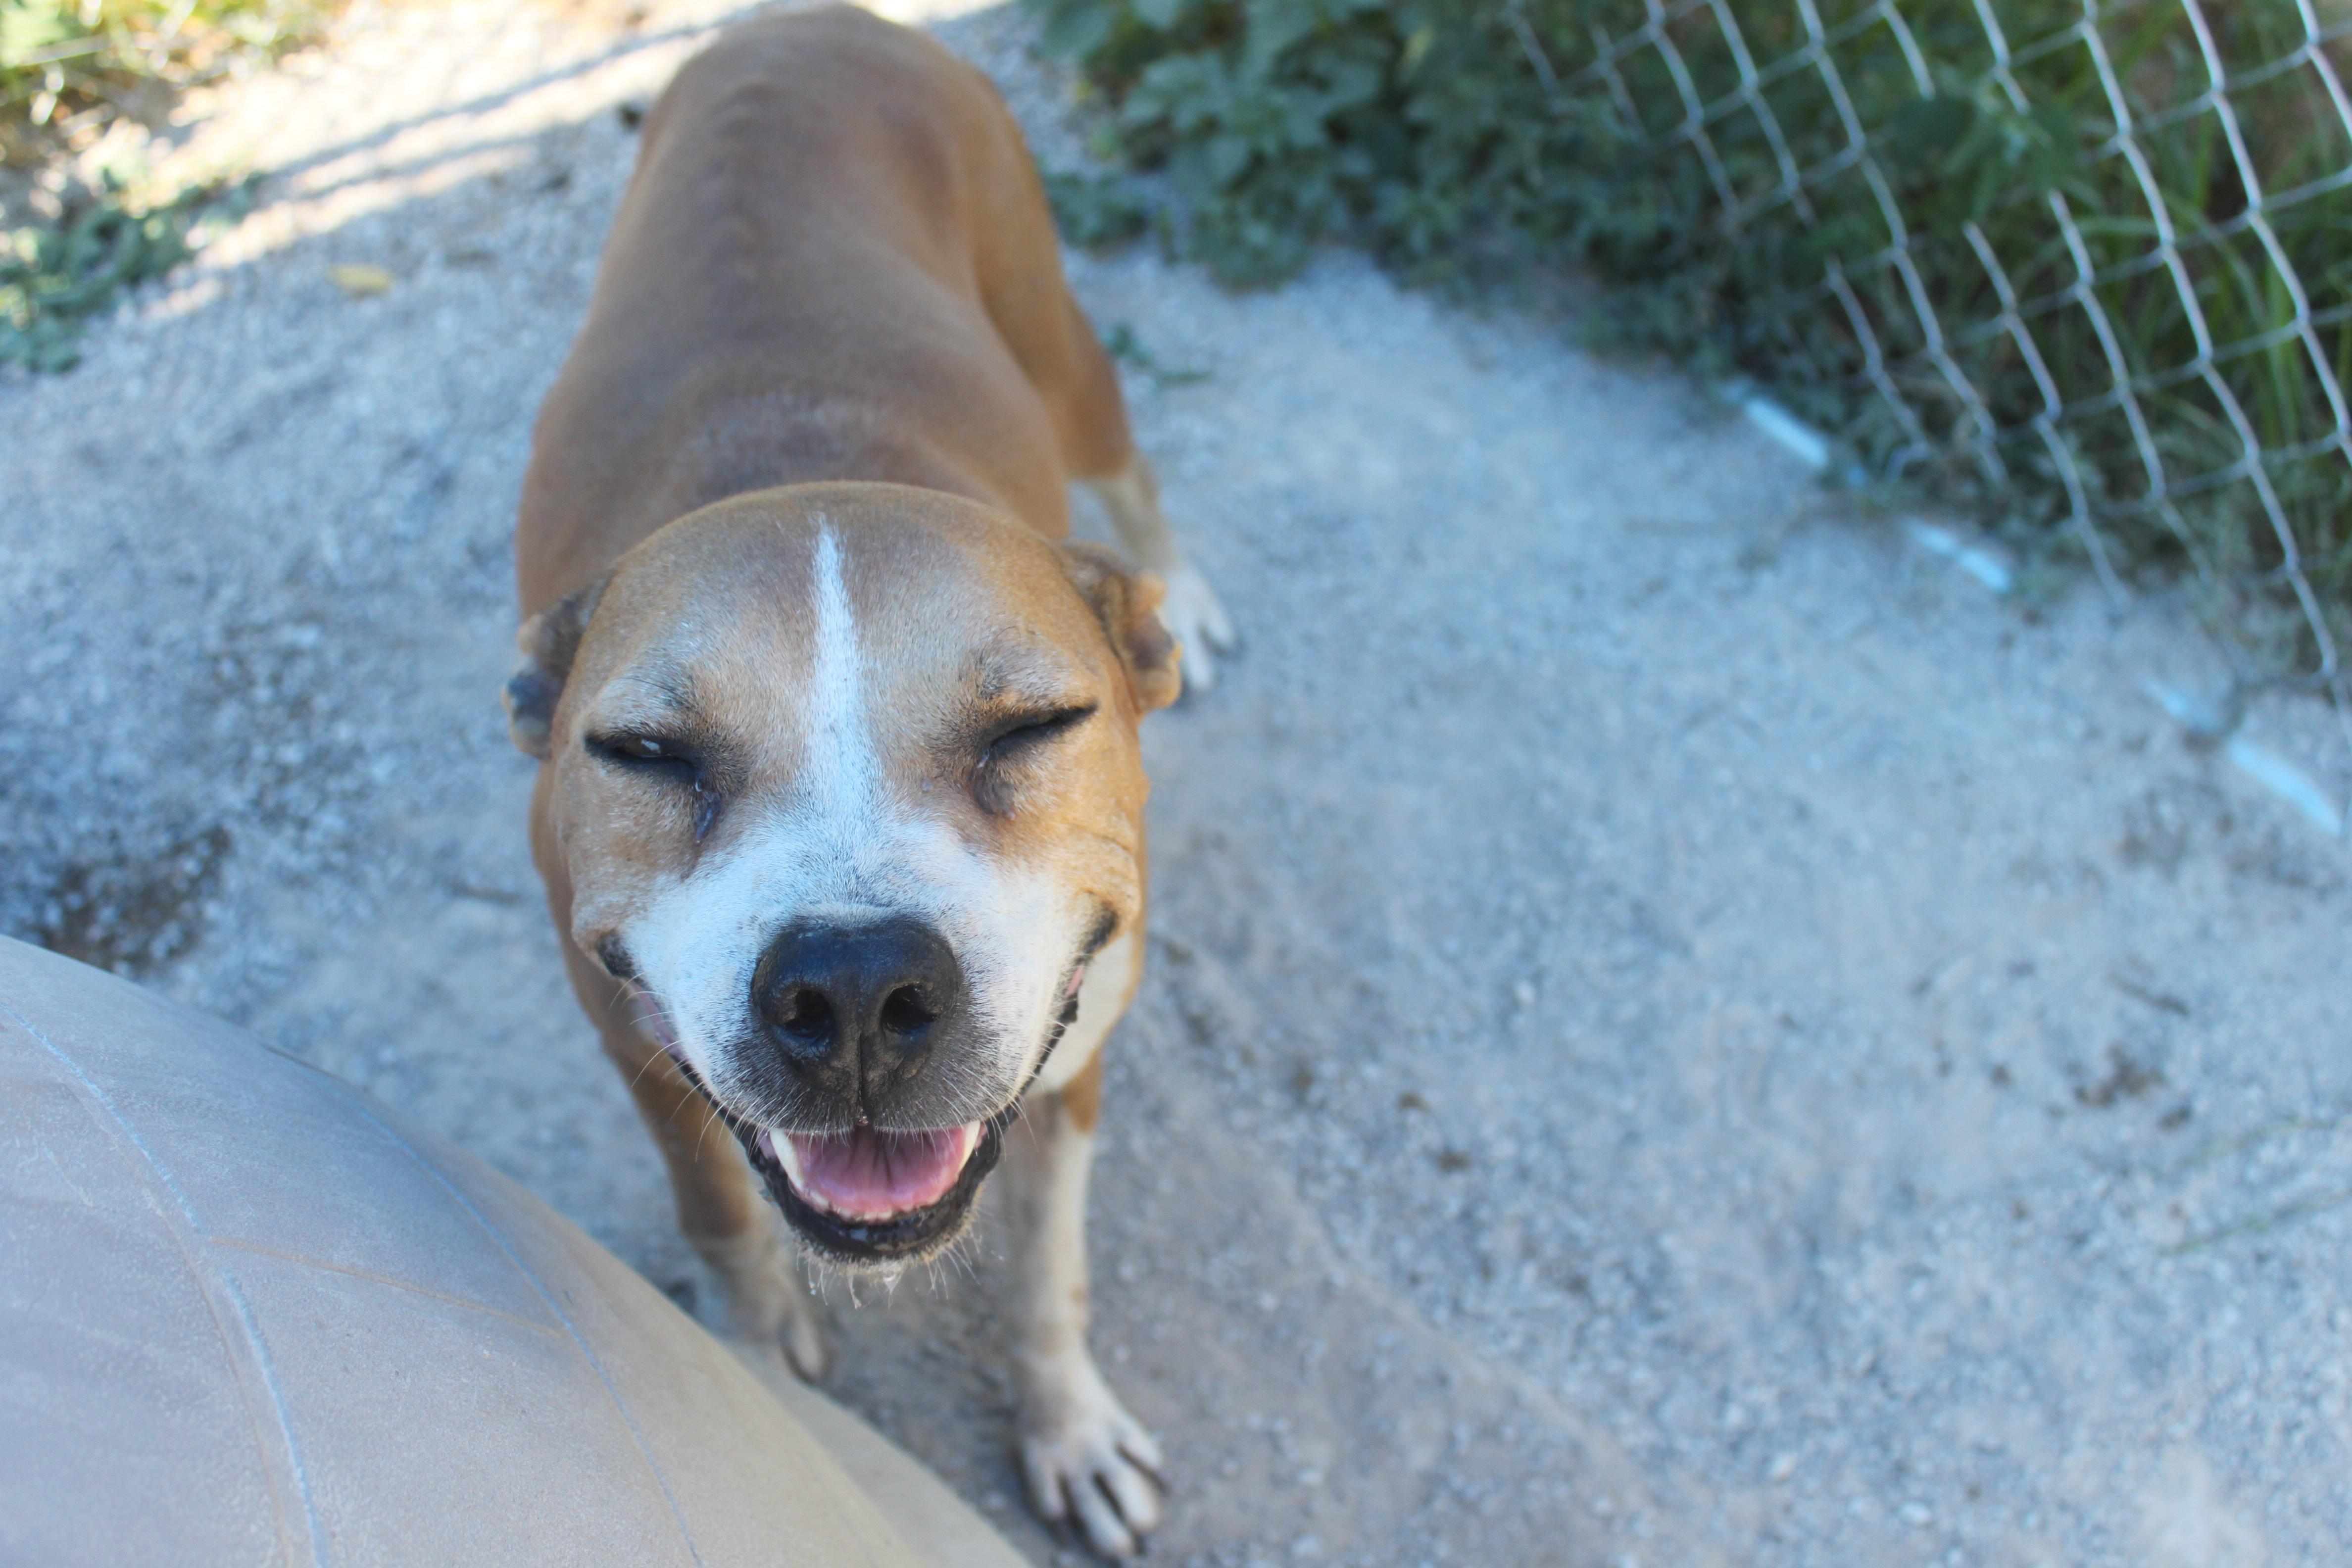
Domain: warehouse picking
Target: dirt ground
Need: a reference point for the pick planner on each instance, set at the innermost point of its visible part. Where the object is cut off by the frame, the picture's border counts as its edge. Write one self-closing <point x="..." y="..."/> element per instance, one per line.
<point x="1681" y="1029"/>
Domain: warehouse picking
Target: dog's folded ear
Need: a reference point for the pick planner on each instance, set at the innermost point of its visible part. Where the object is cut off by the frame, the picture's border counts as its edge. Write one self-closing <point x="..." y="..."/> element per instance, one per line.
<point x="1127" y="602"/>
<point x="548" y="640"/>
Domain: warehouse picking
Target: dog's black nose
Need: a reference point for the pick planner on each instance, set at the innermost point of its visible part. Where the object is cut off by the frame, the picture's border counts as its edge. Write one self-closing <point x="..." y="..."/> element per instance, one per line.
<point x="856" y="1010"/>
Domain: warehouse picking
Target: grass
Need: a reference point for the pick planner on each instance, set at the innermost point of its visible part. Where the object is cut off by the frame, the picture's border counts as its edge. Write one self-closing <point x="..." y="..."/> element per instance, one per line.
<point x="1911" y="288"/>
<point x="70" y="66"/>
<point x="72" y="237"/>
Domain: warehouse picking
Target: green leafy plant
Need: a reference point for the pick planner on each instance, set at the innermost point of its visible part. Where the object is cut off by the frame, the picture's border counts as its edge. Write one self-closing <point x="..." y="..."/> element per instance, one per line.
<point x="1097" y="210"/>
<point x="2008" y="249"/>
<point x="1120" y="342"/>
<point x="63" y="58"/>
<point x="70" y="241"/>
<point x="54" y="278"/>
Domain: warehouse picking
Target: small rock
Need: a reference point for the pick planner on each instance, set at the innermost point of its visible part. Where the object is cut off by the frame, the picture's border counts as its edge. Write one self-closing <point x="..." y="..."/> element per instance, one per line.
<point x="360" y="281"/>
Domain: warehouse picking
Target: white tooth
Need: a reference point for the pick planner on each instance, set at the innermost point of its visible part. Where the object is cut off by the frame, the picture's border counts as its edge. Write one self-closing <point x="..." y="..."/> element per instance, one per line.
<point x="779" y="1145"/>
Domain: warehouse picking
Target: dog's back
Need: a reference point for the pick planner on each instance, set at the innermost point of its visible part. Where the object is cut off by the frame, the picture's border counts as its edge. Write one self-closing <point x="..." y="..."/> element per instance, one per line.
<point x="834" y="261"/>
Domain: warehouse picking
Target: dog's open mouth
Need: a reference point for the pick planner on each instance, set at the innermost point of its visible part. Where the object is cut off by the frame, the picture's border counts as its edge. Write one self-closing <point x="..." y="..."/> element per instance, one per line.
<point x="872" y="1196"/>
<point x="870" y="1175"/>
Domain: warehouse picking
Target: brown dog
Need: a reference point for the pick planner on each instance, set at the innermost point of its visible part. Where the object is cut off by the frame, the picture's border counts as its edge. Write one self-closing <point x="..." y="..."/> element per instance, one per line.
<point x="841" y="809"/>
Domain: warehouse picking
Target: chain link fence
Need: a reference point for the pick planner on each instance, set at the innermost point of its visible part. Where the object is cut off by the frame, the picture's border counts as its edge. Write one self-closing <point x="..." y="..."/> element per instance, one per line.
<point x="2076" y="266"/>
<point x="2141" y="312"/>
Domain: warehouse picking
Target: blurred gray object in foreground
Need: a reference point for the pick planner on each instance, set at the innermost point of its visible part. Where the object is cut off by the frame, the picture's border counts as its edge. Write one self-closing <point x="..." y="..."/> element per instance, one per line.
<point x="249" y="1316"/>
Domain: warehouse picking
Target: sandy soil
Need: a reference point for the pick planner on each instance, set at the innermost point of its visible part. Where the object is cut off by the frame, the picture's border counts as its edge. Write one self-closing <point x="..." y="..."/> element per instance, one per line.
<point x="1681" y="1029"/>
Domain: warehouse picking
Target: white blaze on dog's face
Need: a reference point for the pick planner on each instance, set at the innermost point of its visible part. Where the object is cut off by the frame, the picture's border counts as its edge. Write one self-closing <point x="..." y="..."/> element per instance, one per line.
<point x="847" y="786"/>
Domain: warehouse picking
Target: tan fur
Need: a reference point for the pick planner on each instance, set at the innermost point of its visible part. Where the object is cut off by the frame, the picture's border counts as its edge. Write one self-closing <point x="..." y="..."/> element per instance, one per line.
<point x="832" y="318"/>
<point x="873" y="293"/>
<point x="1082" y="1096"/>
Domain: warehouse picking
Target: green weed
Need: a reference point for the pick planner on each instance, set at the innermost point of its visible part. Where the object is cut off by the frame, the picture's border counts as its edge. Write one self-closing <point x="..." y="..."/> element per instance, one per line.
<point x="54" y="278"/>
<point x="1120" y="342"/>
<point x="67" y="64"/>
<point x="1097" y="210"/>
<point x="71" y="241"/>
<point x="1869" y="223"/>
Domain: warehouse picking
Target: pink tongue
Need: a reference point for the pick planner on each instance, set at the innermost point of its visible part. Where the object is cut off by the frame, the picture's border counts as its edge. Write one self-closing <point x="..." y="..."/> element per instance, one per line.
<point x="873" y="1174"/>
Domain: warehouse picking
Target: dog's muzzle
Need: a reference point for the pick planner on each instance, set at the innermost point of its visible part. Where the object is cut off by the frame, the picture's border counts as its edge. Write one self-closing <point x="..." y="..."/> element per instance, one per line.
<point x="855" y="1016"/>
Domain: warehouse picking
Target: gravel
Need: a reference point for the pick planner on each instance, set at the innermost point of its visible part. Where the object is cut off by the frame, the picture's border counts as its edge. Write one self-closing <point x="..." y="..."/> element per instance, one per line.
<point x="1681" y="1029"/>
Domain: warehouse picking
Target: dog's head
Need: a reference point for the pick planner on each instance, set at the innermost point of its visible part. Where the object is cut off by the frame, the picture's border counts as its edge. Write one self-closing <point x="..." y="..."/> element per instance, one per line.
<point x="846" y="785"/>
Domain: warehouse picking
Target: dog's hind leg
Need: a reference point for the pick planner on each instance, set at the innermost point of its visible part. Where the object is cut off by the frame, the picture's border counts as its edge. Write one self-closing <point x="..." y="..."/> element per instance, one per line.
<point x="1085" y="1457"/>
<point x="1020" y="266"/>
<point x="1191" y="611"/>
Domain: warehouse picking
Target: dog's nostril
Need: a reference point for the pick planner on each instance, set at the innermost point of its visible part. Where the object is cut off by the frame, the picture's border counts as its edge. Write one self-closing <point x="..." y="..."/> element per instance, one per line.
<point x="858" y="1009"/>
<point x="805" y="1014"/>
<point x="904" y="1012"/>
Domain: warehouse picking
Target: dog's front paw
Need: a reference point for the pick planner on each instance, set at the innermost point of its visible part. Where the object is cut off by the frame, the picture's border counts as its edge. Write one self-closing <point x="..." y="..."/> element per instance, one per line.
<point x="1199" y="624"/>
<point x="767" y="1307"/>
<point x="1088" y="1460"/>
<point x="803" y="1340"/>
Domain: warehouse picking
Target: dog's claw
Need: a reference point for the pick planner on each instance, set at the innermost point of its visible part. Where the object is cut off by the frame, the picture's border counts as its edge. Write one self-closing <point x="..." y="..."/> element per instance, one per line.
<point x="1199" y="624"/>
<point x="1097" y="1467"/>
<point x="766" y="1304"/>
<point x="804" y="1345"/>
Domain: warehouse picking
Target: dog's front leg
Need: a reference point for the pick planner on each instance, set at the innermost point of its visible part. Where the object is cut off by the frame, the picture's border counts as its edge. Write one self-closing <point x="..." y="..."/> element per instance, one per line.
<point x="726" y="1220"/>
<point x="1085" y="1455"/>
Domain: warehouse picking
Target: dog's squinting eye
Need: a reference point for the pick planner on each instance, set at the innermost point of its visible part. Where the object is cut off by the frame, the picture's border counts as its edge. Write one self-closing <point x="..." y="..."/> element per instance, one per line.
<point x="638" y="749"/>
<point x="1009" y="747"/>
<point x="652" y="754"/>
<point x="1011" y="740"/>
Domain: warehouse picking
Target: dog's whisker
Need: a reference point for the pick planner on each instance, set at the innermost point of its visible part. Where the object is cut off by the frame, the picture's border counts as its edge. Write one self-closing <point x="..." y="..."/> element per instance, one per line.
<point x="638" y="1077"/>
